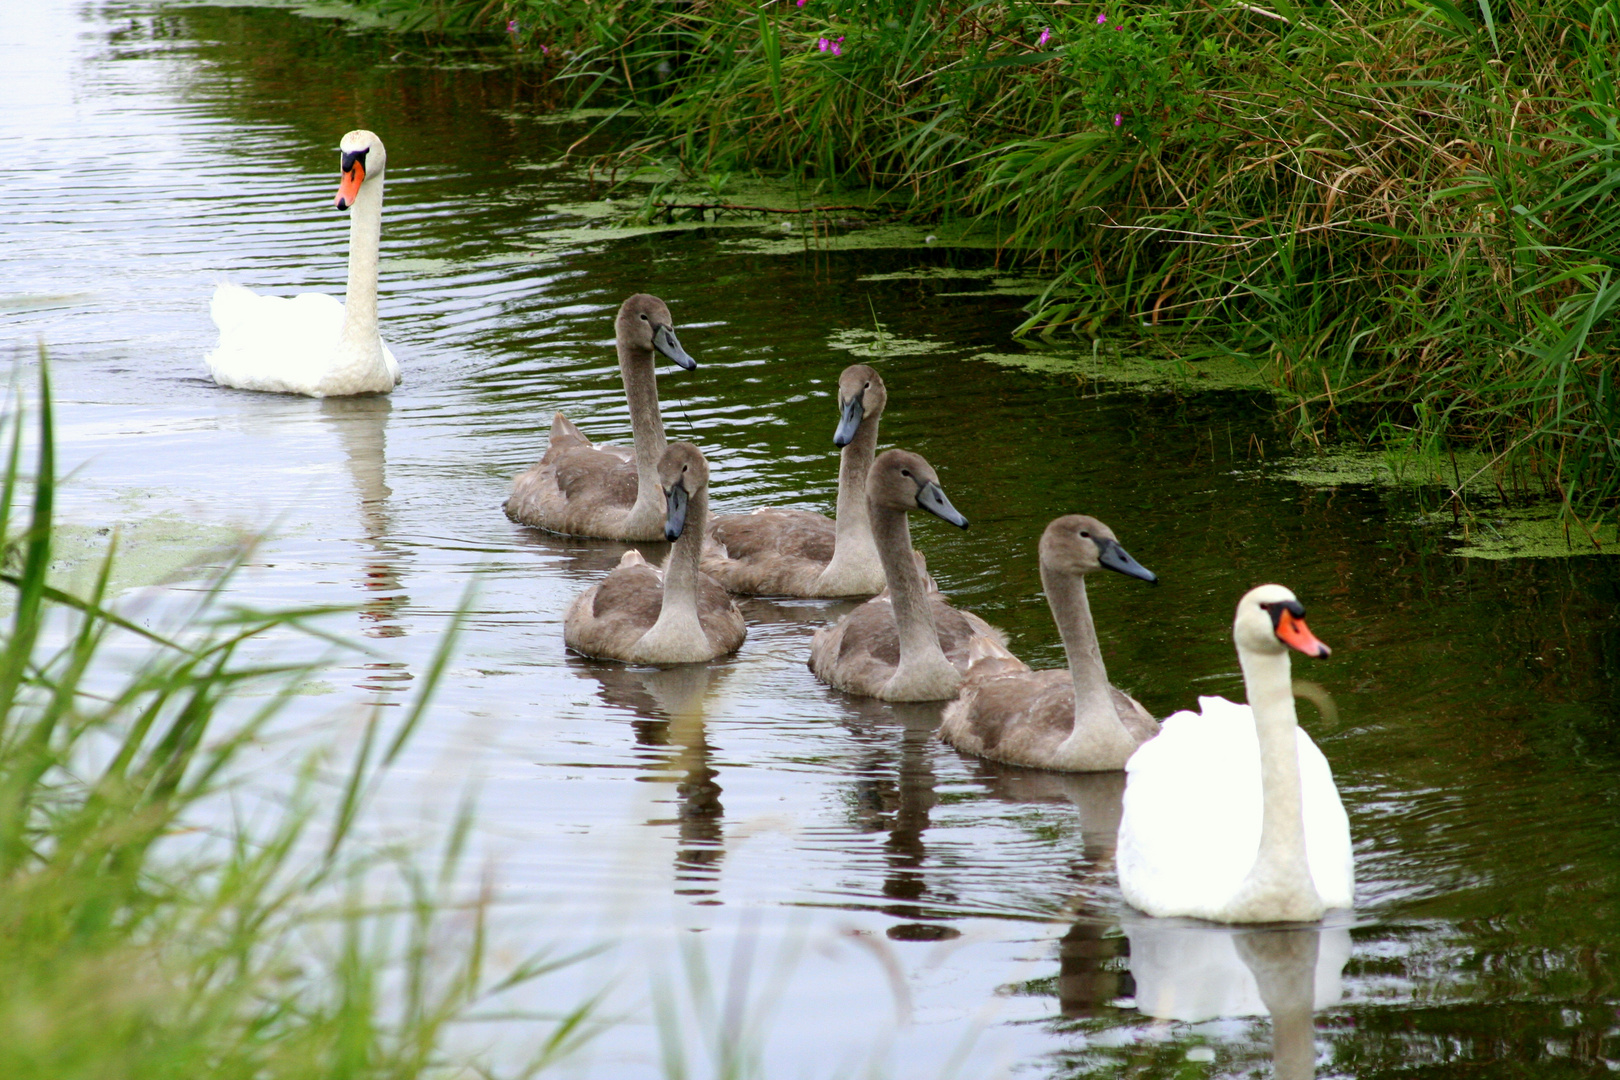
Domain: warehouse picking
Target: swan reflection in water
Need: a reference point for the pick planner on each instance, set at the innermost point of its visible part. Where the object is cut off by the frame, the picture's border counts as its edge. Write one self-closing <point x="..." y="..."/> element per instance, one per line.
<point x="668" y="705"/>
<point x="1196" y="971"/>
<point x="360" y="424"/>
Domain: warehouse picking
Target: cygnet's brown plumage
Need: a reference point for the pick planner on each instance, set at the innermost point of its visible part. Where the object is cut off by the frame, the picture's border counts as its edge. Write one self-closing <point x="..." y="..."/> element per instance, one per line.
<point x="775" y="552"/>
<point x="1071" y="720"/>
<point x="581" y="489"/>
<point x="907" y="644"/>
<point x="675" y="615"/>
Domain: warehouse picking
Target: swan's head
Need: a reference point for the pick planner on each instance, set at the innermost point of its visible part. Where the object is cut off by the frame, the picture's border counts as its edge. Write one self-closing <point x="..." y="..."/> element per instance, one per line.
<point x="644" y="324"/>
<point x="1270" y="619"/>
<point x="902" y="480"/>
<point x="1077" y="544"/>
<point x="362" y="159"/>
<point x="682" y="473"/>
<point x="860" y="394"/>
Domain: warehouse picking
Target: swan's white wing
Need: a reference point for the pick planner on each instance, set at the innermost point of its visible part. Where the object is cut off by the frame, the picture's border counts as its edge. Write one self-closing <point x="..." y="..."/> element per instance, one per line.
<point x="1327" y="828"/>
<point x="392" y="364"/>
<point x="275" y="343"/>
<point x="1192" y="815"/>
<point x="1191" y="822"/>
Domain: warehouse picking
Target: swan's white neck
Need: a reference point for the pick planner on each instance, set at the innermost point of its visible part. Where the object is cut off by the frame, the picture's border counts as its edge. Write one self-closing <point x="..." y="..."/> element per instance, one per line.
<point x="365" y="239"/>
<point x="1098" y="734"/>
<point x="678" y="631"/>
<point x="854" y="550"/>
<point x="647" y="428"/>
<point x="360" y="351"/>
<point x="1279" y="887"/>
<point x="923" y="668"/>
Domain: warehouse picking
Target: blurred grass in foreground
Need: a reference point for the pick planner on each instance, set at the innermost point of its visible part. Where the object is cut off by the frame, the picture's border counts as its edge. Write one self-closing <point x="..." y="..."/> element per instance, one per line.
<point x="146" y="931"/>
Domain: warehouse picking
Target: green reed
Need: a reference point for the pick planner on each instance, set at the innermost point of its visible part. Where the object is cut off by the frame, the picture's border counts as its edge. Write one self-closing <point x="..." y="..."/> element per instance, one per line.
<point x="148" y="931"/>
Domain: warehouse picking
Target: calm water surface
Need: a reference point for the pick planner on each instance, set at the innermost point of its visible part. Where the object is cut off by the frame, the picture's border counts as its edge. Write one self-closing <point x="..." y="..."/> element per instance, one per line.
<point x="879" y="900"/>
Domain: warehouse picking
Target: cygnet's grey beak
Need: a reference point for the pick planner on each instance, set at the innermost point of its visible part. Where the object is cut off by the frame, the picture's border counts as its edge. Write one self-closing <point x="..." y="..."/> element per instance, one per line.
<point x="1111" y="555"/>
<point x="664" y="341"/>
<point x="931" y="497"/>
<point x="849" y="420"/>
<point x="676" y="498"/>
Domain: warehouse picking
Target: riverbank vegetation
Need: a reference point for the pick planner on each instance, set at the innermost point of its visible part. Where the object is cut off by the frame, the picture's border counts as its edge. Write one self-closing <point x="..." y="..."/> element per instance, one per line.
<point x="156" y="919"/>
<point x="1402" y="212"/>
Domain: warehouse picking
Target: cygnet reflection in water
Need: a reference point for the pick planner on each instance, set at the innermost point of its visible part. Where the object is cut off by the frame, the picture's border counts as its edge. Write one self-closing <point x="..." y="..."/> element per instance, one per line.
<point x="1191" y="972"/>
<point x="582" y="559"/>
<point x="669" y="705"/>
<point x="1097" y="798"/>
<point x="890" y="781"/>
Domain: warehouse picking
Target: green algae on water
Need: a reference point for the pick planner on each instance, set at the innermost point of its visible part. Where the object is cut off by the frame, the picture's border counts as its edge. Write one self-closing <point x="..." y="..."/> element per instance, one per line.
<point x="878" y="344"/>
<point x="999" y="284"/>
<point x="1467" y="473"/>
<point x="151" y="550"/>
<point x="1534" y="533"/>
<point x="1125" y="370"/>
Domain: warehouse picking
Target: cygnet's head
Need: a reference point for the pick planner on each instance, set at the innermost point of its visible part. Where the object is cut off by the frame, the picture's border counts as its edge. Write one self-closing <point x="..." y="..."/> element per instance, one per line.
<point x="644" y="324"/>
<point x="904" y="481"/>
<point x="682" y="473"/>
<point x="860" y="395"/>
<point x="362" y="158"/>
<point x="1270" y="620"/>
<point x="1077" y="544"/>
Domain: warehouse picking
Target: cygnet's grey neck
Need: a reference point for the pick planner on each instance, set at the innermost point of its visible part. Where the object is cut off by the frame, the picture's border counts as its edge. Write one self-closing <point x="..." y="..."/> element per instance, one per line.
<point x="853" y="539"/>
<point x="682" y="567"/>
<point x="646" y="423"/>
<point x="913" y="610"/>
<point x="1098" y="729"/>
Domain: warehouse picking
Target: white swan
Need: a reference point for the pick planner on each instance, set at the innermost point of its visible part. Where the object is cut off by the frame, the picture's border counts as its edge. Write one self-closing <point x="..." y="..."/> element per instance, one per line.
<point x="1232" y="815"/>
<point x="313" y="343"/>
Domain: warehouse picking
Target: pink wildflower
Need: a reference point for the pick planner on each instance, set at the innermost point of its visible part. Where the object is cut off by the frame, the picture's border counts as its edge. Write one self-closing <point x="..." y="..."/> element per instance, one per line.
<point x="822" y="43"/>
<point x="837" y="48"/>
<point x="1117" y="119"/>
<point x="1046" y="35"/>
<point x="1102" y="18"/>
<point x="511" y="27"/>
<point x="803" y="2"/>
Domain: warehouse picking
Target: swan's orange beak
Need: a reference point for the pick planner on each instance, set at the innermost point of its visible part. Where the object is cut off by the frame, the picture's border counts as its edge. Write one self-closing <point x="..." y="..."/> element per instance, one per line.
<point x="349" y="186"/>
<point x="1292" y="631"/>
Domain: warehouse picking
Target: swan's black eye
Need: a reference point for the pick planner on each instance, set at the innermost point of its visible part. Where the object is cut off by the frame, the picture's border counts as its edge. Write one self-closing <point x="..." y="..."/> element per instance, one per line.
<point x="684" y="468"/>
<point x="642" y="316"/>
<point x="868" y="386"/>
<point x="905" y="472"/>
<point x="1085" y="534"/>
